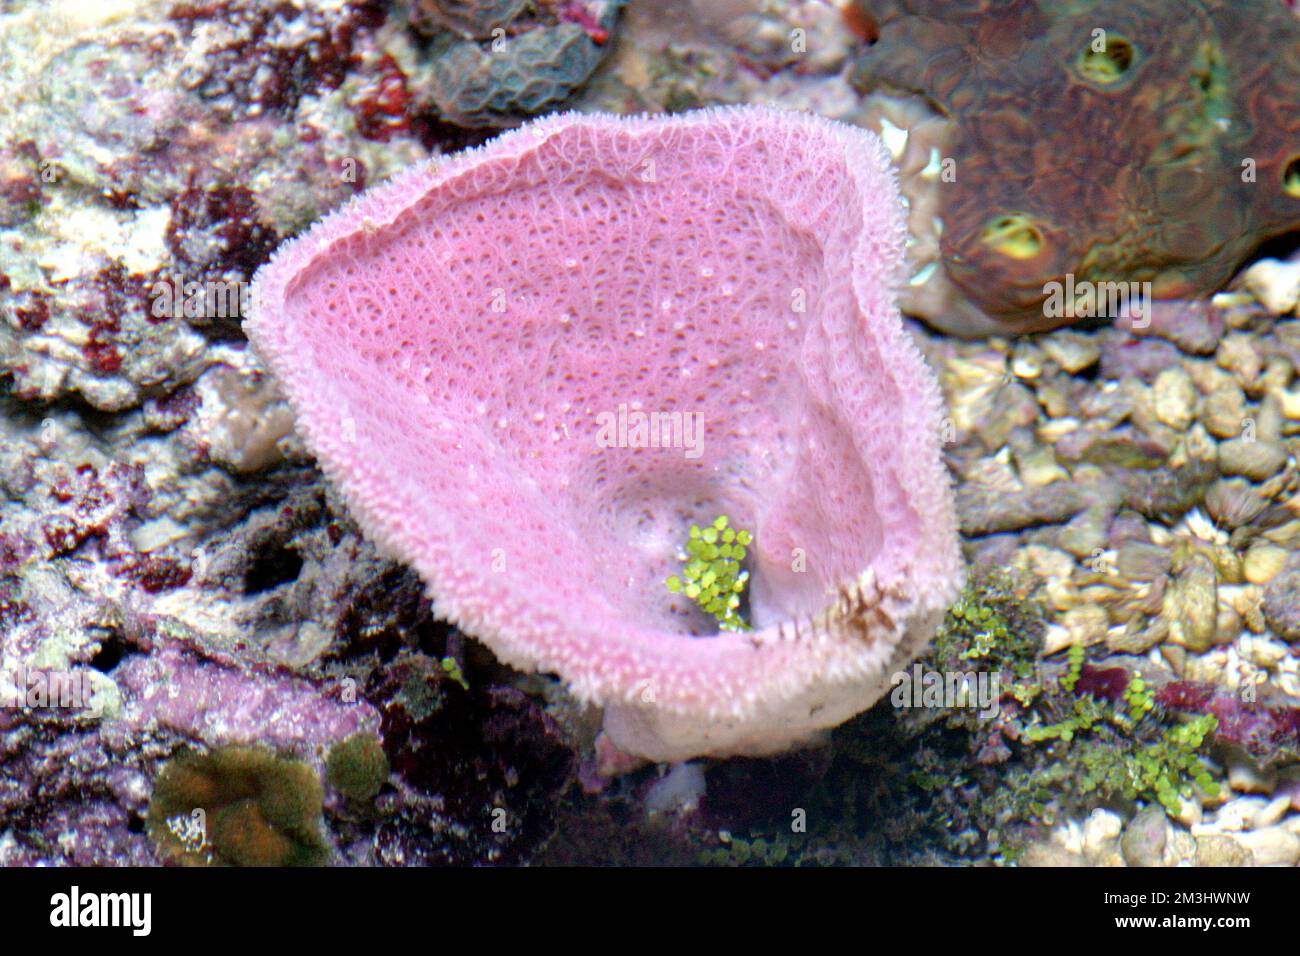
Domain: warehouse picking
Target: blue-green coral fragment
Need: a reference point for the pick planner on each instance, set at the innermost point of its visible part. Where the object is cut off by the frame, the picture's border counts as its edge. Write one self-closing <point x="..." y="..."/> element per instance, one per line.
<point x="712" y="576"/>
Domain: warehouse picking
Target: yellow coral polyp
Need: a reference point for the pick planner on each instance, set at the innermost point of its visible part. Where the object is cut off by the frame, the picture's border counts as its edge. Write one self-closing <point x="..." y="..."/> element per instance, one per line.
<point x="1015" y="237"/>
<point x="1109" y="64"/>
<point x="1291" y="178"/>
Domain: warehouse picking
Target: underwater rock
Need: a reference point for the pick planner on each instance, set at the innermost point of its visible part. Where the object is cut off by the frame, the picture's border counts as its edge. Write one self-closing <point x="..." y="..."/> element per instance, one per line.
<point x="1256" y="459"/>
<point x="477" y="771"/>
<point x="1224" y="410"/>
<point x="1174" y="396"/>
<point x="1101" y="838"/>
<point x="1216" y="850"/>
<point x="1264" y="562"/>
<point x="1234" y="502"/>
<point x="1127" y="356"/>
<point x="1270" y="846"/>
<point x="1282" y="603"/>
<point x="178" y="690"/>
<point x="1044" y="854"/>
<point x="154" y="643"/>
<point x="1147" y="840"/>
<point x="1195" y="325"/>
<point x="538" y="63"/>
<point x="1276" y="285"/>
<point x="1191" y="604"/>
<point x="140" y="166"/>
<point x="75" y="795"/>
<point x="987" y="510"/>
<point x="155" y="153"/>
<point x="1188" y="159"/>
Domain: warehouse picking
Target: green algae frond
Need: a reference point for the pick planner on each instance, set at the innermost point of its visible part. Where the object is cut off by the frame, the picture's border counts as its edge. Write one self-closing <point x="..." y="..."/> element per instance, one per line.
<point x="451" y="667"/>
<point x="1129" y="750"/>
<point x="992" y="626"/>
<point x="712" y="576"/>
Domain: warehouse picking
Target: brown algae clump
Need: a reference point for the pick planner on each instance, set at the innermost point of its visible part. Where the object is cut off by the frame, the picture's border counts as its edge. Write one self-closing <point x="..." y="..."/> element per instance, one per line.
<point x="237" y="806"/>
<point x="358" y="767"/>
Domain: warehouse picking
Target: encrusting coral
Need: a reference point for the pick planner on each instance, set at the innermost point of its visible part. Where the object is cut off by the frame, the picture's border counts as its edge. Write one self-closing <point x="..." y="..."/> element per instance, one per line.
<point x="1150" y="141"/>
<point x="458" y="343"/>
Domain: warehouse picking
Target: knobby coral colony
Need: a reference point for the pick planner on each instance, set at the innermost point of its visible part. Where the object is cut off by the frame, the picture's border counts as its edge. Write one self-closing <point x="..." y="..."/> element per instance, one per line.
<point x="238" y="805"/>
<point x="741" y="263"/>
<point x="1166" y="146"/>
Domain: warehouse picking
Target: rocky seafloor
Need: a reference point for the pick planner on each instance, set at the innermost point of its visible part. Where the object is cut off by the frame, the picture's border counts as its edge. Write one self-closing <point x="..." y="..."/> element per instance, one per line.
<point x="1130" y="503"/>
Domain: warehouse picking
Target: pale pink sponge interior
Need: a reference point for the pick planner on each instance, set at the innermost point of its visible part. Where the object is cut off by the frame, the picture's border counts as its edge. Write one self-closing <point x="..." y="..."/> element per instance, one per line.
<point x="452" y="339"/>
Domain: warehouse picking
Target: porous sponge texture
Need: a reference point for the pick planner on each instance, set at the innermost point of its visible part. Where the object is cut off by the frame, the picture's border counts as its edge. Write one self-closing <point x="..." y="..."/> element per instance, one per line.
<point x="454" y="340"/>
